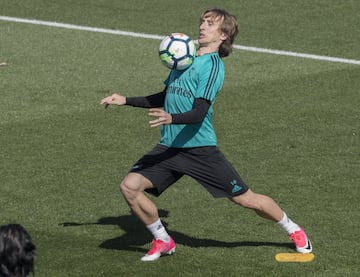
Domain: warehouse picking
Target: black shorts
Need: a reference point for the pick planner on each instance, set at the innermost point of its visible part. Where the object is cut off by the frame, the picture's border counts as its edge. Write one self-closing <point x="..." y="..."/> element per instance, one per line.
<point x="163" y="166"/>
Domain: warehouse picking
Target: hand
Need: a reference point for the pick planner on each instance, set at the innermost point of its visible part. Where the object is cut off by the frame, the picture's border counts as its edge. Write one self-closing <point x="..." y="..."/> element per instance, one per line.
<point x="162" y="117"/>
<point x="114" y="99"/>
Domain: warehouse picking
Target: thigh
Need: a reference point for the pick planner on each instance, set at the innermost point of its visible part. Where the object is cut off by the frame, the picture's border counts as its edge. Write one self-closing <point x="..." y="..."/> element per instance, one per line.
<point x="214" y="172"/>
<point x="136" y="182"/>
<point x="154" y="167"/>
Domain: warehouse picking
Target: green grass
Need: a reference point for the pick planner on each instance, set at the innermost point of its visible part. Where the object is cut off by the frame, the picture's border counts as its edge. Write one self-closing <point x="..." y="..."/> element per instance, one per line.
<point x="290" y="125"/>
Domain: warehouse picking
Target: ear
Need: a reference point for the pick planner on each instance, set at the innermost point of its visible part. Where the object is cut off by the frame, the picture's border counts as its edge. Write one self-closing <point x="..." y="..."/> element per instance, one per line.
<point x="223" y="37"/>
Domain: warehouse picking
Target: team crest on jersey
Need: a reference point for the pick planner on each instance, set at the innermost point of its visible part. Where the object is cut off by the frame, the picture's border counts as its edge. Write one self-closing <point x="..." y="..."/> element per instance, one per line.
<point x="190" y="70"/>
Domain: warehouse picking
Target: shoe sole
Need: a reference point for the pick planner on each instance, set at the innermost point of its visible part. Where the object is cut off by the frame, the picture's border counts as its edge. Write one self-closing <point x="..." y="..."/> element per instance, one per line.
<point x="171" y="251"/>
<point x="305" y="250"/>
<point x="155" y="257"/>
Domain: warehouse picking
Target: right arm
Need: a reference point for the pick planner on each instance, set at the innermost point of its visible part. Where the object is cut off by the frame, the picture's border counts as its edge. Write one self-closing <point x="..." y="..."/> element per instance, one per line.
<point x="151" y="101"/>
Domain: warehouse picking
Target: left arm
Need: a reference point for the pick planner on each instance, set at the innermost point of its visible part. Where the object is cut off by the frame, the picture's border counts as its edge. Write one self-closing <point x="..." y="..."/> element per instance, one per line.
<point x="195" y="115"/>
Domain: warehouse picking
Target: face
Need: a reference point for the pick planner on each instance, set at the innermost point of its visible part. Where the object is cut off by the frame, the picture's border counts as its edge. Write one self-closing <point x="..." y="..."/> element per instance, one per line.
<point x="210" y="34"/>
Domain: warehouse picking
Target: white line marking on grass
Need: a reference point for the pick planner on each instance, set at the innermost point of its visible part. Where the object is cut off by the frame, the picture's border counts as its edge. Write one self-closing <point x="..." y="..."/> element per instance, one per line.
<point x="298" y="55"/>
<point x="159" y="37"/>
<point x="77" y="27"/>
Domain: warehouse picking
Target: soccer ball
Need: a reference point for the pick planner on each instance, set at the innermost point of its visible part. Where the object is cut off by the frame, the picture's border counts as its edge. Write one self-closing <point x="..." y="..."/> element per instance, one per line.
<point x="177" y="51"/>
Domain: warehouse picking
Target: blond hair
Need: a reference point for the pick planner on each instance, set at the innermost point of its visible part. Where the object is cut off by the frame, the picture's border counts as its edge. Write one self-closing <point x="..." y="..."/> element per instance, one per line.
<point x="229" y="27"/>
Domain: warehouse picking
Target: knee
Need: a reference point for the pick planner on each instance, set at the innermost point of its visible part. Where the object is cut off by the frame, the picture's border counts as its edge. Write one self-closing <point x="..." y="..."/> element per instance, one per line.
<point x="246" y="200"/>
<point x="133" y="185"/>
<point x="129" y="188"/>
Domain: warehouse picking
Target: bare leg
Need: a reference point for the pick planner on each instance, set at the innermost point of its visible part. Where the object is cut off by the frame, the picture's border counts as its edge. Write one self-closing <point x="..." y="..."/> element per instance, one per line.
<point x="263" y="205"/>
<point x="267" y="208"/>
<point x="132" y="188"/>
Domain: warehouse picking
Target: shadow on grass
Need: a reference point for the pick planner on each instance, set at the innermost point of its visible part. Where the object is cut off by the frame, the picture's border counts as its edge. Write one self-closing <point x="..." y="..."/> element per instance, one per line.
<point x="136" y="235"/>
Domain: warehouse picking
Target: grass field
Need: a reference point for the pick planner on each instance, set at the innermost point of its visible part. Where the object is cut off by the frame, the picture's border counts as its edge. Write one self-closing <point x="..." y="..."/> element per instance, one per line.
<point x="290" y="125"/>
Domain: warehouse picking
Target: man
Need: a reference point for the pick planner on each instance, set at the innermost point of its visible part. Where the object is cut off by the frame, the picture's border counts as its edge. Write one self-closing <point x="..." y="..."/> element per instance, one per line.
<point x="188" y="141"/>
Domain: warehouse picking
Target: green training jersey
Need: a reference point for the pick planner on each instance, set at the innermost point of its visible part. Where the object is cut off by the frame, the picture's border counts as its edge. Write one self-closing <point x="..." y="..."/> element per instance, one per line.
<point x="203" y="79"/>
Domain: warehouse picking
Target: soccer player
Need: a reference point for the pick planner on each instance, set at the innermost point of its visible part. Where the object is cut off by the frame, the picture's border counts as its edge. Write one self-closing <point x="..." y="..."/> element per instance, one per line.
<point x="188" y="144"/>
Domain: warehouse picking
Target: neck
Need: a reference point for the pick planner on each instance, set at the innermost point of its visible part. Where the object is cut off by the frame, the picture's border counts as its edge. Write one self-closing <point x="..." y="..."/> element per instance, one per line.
<point x="202" y="50"/>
